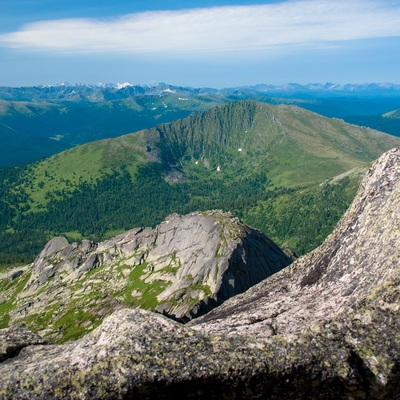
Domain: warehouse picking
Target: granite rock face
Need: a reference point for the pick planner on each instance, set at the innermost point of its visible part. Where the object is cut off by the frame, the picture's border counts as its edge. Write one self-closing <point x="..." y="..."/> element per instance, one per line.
<point x="183" y="268"/>
<point x="361" y="255"/>
<point x="327" y="327"/>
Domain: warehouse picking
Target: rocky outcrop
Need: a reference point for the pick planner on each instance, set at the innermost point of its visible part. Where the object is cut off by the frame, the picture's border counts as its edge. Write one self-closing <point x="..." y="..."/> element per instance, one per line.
<point x="360" y="256"/>
<point x="327" y="327"/>
<point x="183" y="268"/>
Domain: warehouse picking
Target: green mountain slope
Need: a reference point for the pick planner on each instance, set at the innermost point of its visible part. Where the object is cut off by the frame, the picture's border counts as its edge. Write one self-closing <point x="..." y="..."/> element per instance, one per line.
<point x="249" y="158"/>
<point x="33" y="130"/>
<point x="37" y="122"/>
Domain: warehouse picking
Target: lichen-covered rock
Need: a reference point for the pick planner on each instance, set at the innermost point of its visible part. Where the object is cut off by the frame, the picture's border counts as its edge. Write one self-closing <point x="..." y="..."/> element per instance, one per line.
<point x="326" y="328"/>
<point x="183" y="268"/>
<point x="135" y="354"/>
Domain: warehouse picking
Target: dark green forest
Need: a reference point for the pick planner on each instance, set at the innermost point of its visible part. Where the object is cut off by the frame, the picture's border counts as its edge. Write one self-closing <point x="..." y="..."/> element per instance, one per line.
<point x="296" y="218"/>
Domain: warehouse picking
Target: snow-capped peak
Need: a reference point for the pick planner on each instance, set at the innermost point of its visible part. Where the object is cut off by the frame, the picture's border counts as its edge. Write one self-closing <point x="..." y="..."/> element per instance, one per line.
<point x="123" y="85"/>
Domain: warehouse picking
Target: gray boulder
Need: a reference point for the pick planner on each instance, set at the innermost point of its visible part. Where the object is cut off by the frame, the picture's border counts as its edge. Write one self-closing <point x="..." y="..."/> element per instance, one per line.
<point x="183" y="268"/>
<point x="361" y="255"/>
<point x="217" y="257"/>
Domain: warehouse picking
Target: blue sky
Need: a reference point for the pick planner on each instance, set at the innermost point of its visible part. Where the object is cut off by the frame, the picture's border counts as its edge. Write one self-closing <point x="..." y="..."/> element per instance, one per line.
<point x="208" y="43"/>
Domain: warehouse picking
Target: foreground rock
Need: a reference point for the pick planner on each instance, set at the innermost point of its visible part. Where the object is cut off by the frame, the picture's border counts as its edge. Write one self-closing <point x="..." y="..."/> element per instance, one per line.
<point x="183" y="268"/>
<point x="341" y="341"/>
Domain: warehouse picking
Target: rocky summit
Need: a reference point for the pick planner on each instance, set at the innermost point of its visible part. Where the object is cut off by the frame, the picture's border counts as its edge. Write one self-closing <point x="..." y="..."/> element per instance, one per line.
<point x="327" y="327"/>
<point x="183" y="268"/>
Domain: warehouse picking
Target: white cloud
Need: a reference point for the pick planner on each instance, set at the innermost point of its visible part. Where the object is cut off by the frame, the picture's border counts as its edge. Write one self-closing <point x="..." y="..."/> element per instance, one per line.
<point x="216" y="30"/>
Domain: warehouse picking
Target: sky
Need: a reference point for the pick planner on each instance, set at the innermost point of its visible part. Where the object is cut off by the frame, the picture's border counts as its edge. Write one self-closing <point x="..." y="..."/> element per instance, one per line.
<point x="207" y="43"/>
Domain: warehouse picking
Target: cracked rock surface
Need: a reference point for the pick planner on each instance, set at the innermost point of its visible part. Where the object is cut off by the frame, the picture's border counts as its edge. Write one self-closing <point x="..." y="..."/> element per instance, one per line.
<point x="13" y="340"/>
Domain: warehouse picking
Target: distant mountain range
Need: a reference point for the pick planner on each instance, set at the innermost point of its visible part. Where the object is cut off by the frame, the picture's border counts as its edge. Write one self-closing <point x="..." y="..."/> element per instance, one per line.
<point x="36" y="122"/>
<point x="94" y="93"/>
<point x="111" y="91"/>
<point x="283" y="169"/>
<point x="330" y="89"/>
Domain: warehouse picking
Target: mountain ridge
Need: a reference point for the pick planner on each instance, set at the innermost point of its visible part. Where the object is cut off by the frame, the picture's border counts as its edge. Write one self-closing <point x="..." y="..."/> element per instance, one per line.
<point x="48" y="118"/>
<point x="111" y="91"/>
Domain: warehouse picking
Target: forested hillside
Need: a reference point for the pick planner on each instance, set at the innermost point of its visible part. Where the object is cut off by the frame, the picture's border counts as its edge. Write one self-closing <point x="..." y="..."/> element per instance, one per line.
<point x="271" y="165"/>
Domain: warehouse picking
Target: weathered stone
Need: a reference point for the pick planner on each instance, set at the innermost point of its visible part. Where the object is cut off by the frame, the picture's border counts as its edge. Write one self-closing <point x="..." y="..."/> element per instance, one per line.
<point x="217" y="255"/>
<point x="53" y="246"/>
<point x="362" y="253"/>
<point x="16" y="274"/>
<point x="183" y="268"/>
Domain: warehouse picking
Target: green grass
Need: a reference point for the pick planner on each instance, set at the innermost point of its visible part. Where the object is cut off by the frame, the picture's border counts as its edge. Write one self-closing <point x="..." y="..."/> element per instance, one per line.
<point x="11" y="290"/>
<point x="75" y="323"/>
<point x="203" y="288"/>
<point x="148" y="291"/>
<point x="64" y="324"/>
<point x="72" y="235"/>
<point x="82" y="313"/>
